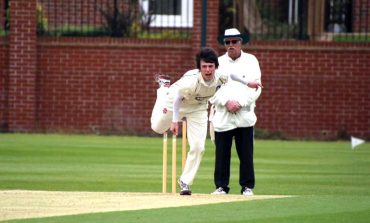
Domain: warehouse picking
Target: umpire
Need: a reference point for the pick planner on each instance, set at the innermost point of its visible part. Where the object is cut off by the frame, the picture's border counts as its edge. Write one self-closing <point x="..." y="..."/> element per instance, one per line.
<point x="234" y="115"/>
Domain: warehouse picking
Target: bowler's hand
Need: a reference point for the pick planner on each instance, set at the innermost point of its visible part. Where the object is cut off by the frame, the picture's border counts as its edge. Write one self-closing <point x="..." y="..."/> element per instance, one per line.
<point x="233" y="106"/>
<point x="254" y="84"/>
<point x="174" y="128"/>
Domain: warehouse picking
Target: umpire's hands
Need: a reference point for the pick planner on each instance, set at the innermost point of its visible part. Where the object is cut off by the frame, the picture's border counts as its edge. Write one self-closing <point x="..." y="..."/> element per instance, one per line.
<point x="254" y="84"/>
<point x="233" y="106"/>
<point x="174" y="128"/>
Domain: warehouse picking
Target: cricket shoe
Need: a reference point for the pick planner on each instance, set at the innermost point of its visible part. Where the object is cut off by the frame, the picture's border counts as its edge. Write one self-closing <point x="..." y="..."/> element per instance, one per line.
<point x="247" y="192"/>
<point x="163" y="80"/>
<point x="219" y="191"/>
<point x="184" y="188"/>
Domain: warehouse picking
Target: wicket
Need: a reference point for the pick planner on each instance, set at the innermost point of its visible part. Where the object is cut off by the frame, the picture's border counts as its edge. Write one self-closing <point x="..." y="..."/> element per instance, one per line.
<point x="174" y="148"/>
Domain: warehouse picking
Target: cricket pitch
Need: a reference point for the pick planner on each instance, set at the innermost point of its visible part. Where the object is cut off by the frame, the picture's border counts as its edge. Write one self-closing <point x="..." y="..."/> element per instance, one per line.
<point x="22" y="204"/>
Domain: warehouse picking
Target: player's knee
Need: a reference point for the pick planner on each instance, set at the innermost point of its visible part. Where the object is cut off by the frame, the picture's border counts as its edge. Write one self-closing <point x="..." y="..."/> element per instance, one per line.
<point x="198" y="148"/>
<point x="157" y="129"/>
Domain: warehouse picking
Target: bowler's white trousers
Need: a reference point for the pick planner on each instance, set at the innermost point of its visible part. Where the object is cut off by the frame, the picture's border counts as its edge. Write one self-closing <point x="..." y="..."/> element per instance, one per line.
<point x="197" y="121"/>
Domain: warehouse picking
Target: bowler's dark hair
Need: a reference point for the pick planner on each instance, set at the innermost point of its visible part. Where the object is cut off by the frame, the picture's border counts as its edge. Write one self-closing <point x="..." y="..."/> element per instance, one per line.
<point x="207" y="54"/>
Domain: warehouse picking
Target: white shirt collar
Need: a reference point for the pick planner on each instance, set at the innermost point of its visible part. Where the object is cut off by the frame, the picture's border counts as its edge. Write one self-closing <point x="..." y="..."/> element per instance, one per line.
<point x="231" y="60"/>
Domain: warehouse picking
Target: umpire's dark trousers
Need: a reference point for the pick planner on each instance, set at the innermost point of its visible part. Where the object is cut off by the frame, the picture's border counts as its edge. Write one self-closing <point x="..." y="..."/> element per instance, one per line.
<point x="244" y="147"/>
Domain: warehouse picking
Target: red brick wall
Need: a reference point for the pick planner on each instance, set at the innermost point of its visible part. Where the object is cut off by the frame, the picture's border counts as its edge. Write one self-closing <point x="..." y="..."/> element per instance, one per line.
<point x="196" y="34"/>
<point x="212" y="23"/>
<point x="3" y="84"/>
<point x="2" y="14"/>
<point x="315" y="90"/>
<point x="100" y="86"/>
<point x="105" y="85"/>
<point x="312" y="90"/>
<point x="22" y="65"/>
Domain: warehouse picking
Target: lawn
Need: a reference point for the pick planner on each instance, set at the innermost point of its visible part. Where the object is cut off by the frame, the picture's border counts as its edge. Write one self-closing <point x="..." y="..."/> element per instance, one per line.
<point x="330" y="181"/>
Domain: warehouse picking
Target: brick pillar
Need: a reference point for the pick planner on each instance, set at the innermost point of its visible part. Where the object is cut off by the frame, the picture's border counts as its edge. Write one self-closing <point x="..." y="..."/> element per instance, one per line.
<point x="2" y="14"/>
<point x="212" y="24"/>
<point x="22" y="66"/>
<point x="197" y="26"/>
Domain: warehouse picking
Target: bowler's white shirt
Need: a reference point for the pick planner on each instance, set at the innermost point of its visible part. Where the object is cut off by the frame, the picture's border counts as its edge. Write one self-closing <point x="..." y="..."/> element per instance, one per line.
<point x="195" y="92"/>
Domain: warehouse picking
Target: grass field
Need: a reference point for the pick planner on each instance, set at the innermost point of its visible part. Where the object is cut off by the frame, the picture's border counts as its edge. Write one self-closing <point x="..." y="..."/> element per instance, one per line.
<point x="330" y="181"/>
